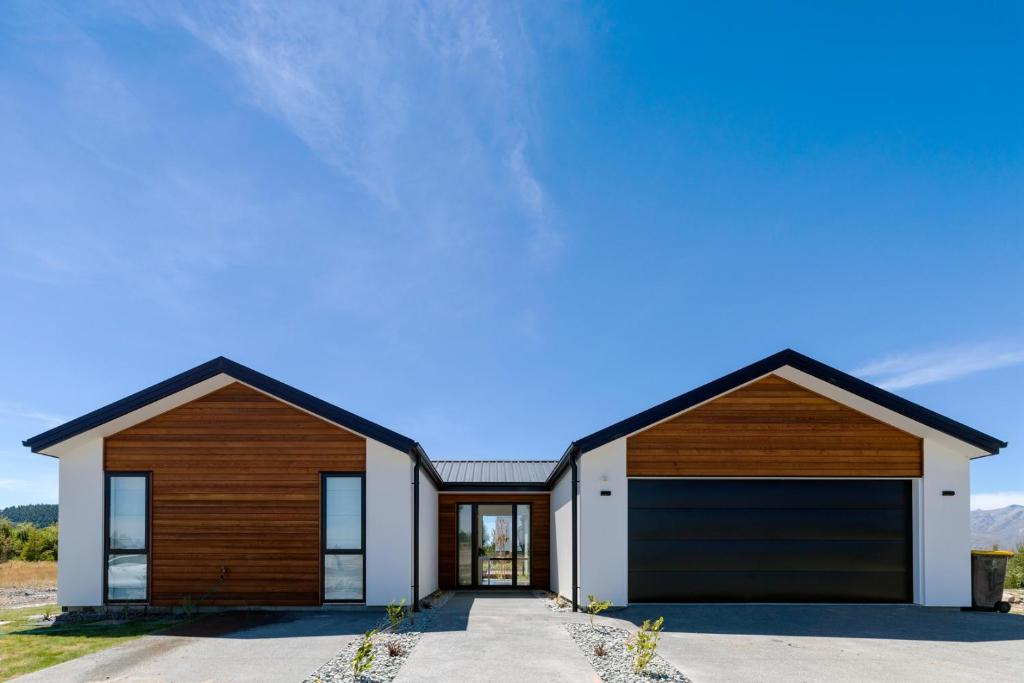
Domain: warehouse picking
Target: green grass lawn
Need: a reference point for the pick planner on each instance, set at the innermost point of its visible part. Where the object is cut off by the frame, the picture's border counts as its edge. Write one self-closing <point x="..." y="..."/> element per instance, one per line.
<point x="27" y="644"/>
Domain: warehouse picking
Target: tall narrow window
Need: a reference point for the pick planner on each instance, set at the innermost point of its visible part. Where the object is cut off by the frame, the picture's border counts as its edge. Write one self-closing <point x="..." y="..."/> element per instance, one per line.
<point x="344" y="537"/>
<point x="523" y="558"/>
<point x="127" y="537"/>
<point x="465" y="545"/>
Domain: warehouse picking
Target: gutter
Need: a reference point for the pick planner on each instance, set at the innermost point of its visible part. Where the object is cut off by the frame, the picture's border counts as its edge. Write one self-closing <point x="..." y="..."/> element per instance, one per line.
<point x="417" y="455"/>
<point x="573" y="454"/>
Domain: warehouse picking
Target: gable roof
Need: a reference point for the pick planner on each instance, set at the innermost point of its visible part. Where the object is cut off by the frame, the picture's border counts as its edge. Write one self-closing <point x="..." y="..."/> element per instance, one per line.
<point x="226" y="366"/>
<point x="495" y="471"/>
<point x="786" y="357"/>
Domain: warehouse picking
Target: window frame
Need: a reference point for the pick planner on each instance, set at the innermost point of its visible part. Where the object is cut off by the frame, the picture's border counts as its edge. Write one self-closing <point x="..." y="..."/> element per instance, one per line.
<point x="325" y="551"/>
<point x="108" y="551"/>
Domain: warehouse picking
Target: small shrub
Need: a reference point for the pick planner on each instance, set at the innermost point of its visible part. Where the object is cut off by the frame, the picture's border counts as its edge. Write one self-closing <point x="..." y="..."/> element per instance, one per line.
<point x="47" y="616"/>
<point x="362" y="660"/>
<point x="645" y="644"/>
<point x="600" y="650"/>
<point x="396" y="612"/>
<point x="595" y="607"/>
<point x="395" y="649"/>
<point x="187" y="606"/>
<point x="1015" y="569"/>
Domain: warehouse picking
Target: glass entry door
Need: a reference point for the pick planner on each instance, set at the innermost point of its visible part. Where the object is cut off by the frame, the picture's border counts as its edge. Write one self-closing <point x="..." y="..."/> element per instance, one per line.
<point x="494" y="549"/>
<point x="493" y="544"/>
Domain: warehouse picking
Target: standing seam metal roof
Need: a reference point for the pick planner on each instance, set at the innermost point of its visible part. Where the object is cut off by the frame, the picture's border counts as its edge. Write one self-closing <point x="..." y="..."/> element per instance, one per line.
<point x="494" y="471"/>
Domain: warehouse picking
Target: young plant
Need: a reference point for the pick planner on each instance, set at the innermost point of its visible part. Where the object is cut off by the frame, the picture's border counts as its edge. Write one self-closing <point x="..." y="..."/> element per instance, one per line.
<point x="396" y="612"/>
<point x="395" y="648"/>
<point x="644" y="644"/>
<point x="595" y="607"/>
<point x="600" y="650"/>
<point x="363" y="658"/>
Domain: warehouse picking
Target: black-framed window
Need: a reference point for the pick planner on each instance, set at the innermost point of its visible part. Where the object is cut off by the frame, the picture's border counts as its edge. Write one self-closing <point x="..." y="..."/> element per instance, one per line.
<point x="126" y="537"/>
<point x="464" y="544"/>
<point x="343" y="536"/>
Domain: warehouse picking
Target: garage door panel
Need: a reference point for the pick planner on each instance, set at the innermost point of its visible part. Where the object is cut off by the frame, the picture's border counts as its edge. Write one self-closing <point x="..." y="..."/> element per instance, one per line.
<point x="754" y="586"/>
<point x="799" y="556"/>
<point x="768" y="540"/>
<point x="776" y="493"/>
<point x="752" y="524"/>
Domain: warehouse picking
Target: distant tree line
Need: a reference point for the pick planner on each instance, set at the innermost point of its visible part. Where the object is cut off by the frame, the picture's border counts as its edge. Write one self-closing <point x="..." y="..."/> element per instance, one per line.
<point x="27" y="542"/>
<point x="40" y="514"/>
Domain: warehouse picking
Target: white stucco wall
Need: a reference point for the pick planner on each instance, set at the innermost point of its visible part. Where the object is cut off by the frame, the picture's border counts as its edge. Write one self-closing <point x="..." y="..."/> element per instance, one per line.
<point x="945" y="529"/>
<point x="561" y="536"/>
<point x="80" y="534"/>
<point x="428" y="536"/>
<point x="388" y="524"/>
<point x="604" y="524"/>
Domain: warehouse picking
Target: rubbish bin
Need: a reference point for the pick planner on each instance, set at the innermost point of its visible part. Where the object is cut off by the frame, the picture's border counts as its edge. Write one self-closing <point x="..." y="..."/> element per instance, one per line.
<point x="988" y="572"/>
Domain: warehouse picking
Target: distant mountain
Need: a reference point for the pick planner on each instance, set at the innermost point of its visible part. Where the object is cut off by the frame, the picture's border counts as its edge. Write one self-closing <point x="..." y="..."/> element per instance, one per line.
<point x="1003" y="527"/>
<point x="40" y="514"/>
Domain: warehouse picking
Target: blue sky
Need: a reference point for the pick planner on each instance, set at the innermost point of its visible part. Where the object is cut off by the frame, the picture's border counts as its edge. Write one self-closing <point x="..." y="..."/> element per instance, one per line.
<point x="498" y="227"/>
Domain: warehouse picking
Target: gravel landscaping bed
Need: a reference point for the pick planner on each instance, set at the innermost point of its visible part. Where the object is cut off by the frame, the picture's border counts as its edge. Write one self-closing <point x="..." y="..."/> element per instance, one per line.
<point x="385" y="666"/>
<point x="554" y="602"/>
<point x="27" y="596"/>
<point x="616" y="666"/>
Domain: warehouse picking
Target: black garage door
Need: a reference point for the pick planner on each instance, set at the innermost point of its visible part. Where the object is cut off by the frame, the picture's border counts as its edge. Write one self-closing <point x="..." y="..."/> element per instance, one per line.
<point x="769" y="541"/>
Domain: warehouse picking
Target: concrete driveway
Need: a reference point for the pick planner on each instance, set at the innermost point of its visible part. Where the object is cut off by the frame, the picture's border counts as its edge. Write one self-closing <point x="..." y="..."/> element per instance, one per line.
<point x="738" y="643"/>
<point x="232" y="646"/>
<point x="496" y="637"/>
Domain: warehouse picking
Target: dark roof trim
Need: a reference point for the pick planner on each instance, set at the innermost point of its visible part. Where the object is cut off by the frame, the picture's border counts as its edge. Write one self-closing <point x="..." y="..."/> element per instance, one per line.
<point x="572" y="451"/>
<point x="866" y="390"/>
<point x="222" y="365"/>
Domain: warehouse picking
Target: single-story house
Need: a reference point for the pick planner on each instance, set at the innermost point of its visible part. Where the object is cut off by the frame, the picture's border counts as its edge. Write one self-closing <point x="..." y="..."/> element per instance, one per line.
<point x="785" y="481"/>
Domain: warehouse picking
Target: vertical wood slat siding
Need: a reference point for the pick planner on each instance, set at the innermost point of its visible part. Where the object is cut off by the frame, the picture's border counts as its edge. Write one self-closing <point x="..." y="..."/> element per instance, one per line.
<point x="540" y="535"/>
<point x="773" y="427"/>
<point x="236" y="484"/>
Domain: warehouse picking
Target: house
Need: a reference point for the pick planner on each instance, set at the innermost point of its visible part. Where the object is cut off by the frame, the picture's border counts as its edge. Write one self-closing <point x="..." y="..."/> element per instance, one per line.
<point x="785" y="481"/>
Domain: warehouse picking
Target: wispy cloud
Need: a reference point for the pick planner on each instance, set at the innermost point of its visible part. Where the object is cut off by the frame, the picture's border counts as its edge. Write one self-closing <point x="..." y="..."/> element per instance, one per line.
<point x="994" y="501"/>
<point x="16" y="412"/>
<point x="397" y="96"/>
<point x="900" y="371"/>
<point x="425" y="109"/>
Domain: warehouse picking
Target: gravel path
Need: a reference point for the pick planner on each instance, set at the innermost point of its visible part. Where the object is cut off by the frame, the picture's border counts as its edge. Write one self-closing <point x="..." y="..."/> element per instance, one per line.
<point x="616" y="665"/>
<point x="27" y="596"/>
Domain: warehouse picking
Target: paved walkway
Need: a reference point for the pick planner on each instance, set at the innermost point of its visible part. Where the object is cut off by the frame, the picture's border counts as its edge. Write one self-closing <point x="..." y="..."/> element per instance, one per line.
<point x="233" y="646"/>
<point x="496" y="637"/>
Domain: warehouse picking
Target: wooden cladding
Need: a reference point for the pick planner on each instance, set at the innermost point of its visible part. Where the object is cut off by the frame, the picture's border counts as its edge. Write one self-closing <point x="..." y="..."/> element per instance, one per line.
<point x="235" y="484"/>
<point x="773" y="428"/>
<point x="540" y="534"/>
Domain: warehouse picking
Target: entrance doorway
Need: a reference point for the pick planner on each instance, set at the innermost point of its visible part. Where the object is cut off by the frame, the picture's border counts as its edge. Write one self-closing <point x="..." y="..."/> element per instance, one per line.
<point x="494" y="545"/>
